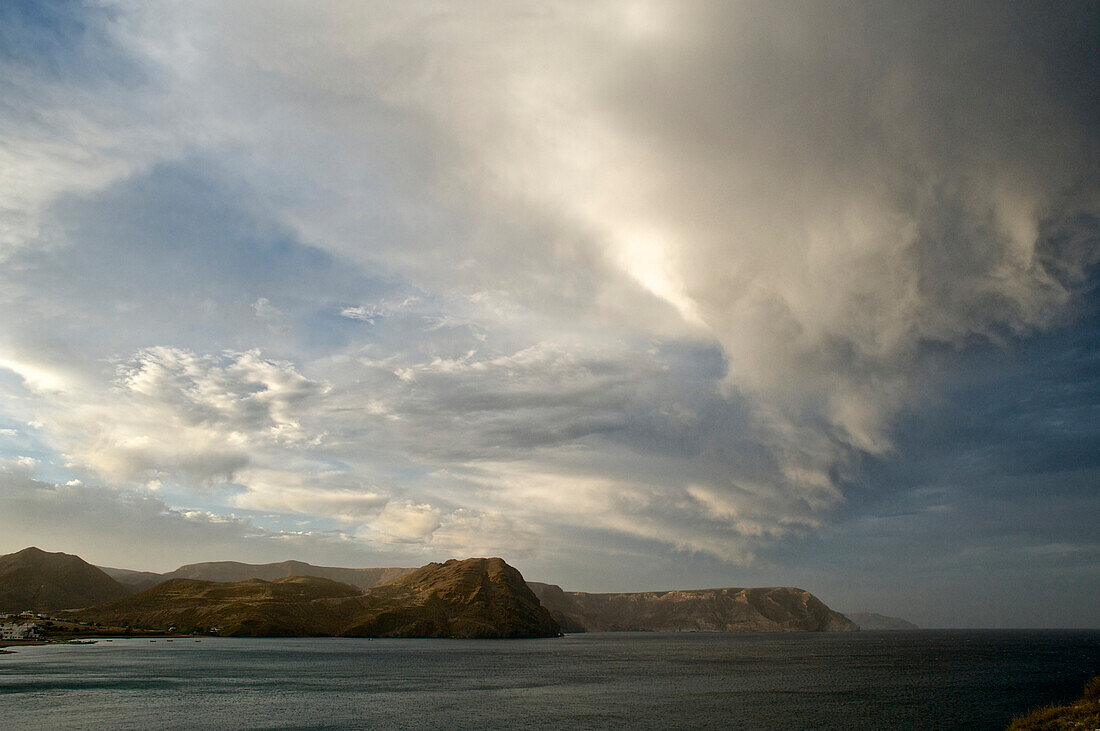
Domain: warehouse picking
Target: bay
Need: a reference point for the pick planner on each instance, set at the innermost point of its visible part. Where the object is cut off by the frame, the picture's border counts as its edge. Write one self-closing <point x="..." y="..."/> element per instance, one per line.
<point x="897" y="680"/>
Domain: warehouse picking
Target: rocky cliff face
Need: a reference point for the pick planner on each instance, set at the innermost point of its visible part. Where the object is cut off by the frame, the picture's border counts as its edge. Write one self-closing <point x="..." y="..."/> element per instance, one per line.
<point x="42" y="581"/>
<point x="775" y="609"/>
<point x="477" y="598"/>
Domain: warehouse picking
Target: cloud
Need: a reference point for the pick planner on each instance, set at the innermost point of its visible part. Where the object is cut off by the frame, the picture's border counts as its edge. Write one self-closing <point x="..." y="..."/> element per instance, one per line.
<point x="112" y="526"/>
<point x="904" y="215"/>
<point x="408" y="523"/>
<point x="484" y="534"/>
<point x="172" y="413"/>
<point x="68" y="74"/>
<point x="666" y="274"/>
<point x="366" y="314"/>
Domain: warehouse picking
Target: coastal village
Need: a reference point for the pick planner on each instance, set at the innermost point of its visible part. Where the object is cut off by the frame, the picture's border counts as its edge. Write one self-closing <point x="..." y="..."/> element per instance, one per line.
<point x="23" y="626"/>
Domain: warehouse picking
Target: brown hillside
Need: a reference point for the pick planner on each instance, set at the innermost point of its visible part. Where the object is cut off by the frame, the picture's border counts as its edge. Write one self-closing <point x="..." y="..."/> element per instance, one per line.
<point x="294" y="606"/>
<point x="45" y="582"/>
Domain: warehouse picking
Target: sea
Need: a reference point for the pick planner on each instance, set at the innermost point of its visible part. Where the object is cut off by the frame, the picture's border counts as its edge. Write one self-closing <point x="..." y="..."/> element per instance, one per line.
<point x="862" y="680"/>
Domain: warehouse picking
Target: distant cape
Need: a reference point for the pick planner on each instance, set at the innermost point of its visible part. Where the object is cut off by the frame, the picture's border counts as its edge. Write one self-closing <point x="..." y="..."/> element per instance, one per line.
<point x="873" y="621"/>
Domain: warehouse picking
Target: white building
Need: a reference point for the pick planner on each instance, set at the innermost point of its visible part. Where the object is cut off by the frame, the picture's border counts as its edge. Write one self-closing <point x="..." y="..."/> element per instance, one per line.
<point x="19" y="632"/>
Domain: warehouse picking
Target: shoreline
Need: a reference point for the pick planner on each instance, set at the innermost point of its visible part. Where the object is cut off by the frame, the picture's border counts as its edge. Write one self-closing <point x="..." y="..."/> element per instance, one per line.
<point x="22" y="643"/>
<point x="90" y="639"/>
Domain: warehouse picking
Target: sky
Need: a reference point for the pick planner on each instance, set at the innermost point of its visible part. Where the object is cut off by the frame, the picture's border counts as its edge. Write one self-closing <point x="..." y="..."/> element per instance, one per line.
<point x="636" y="295"/>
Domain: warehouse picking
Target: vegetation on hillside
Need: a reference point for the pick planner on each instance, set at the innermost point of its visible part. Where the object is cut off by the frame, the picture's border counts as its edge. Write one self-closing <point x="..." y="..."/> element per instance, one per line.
<point x="1082" y="714"/>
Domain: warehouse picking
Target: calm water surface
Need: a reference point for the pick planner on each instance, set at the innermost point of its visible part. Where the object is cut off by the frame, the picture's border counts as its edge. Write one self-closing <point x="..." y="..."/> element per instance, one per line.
<point x="898" y="680"/>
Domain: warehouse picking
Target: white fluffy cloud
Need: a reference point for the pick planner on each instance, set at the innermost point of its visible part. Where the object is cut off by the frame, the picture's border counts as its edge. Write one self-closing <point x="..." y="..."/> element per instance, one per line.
<point x="169" y="413"/>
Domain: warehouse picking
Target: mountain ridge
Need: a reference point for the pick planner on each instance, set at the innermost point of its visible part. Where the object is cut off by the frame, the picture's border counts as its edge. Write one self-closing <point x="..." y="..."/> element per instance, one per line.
<point x="364" y="578"/>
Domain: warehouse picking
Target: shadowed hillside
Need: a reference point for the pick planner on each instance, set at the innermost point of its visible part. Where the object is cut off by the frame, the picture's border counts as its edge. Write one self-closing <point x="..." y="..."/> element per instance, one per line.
<point x="777" y="609"/>
<point x="132" y="580"/>
<point x="294" y="606"/>
<point x="35" y="579"/>
<point x="482" y="598"/>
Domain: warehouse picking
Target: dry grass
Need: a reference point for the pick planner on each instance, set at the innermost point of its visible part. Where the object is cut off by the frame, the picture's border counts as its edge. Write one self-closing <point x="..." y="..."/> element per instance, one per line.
<point x="1082" y="714"/>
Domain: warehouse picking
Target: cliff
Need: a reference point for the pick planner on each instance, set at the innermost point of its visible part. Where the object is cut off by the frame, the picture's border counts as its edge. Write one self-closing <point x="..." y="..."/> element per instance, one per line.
<point x="45" y="582"/>
<point x="477" y="598"/>
<point x="775" y="609"/>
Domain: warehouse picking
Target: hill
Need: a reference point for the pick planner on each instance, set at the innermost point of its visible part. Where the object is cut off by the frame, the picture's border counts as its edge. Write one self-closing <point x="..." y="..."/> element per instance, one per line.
<point x="237" y="571"/>
<point x="488" y="596"/>
<point x="873" y="621"/>
<point x="775" y="609"/>
<point x="482" y="598"/>
<point x="45" y="582"/>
